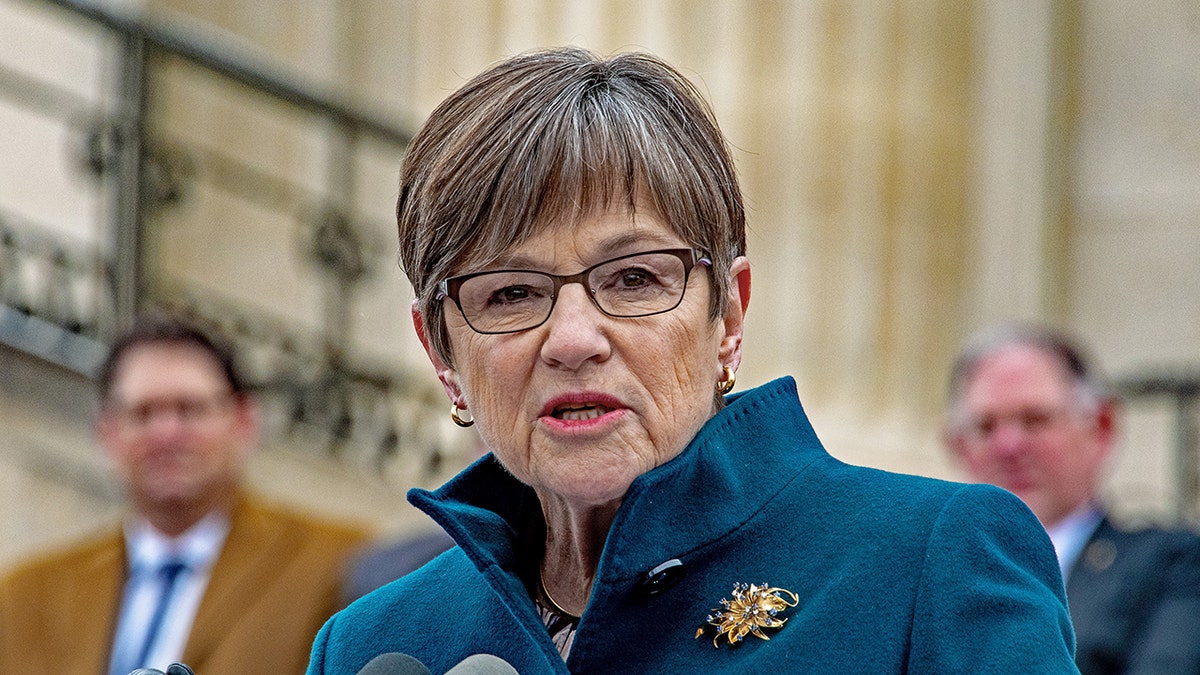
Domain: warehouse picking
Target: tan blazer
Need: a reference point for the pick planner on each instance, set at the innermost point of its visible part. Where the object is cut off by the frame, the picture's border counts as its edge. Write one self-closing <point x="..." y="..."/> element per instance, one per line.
<point x="276" y="581"/>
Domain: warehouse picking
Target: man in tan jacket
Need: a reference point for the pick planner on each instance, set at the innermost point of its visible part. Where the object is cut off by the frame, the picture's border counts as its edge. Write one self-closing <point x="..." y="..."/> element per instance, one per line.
<point x="199" y="571"/>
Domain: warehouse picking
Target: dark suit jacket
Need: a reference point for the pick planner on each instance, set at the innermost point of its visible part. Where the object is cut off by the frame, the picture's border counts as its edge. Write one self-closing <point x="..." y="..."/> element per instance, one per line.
<point x="383" y="563"/>
<point x="275" y="582"/>
<point x="1135" y="602"/>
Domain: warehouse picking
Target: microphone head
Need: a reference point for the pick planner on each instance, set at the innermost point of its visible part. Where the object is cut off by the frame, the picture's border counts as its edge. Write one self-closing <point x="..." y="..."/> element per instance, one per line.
<point x="173" y="669"/>
<point x="482" y="664"/>
<point x="394" y="663"/>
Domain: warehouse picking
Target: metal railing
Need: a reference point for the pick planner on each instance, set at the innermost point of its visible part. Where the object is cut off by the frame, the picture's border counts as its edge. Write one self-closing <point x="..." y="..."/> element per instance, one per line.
<point x="62" y="300"/>
<point x="1180" y="389"/>
<point x="55" y="296"/>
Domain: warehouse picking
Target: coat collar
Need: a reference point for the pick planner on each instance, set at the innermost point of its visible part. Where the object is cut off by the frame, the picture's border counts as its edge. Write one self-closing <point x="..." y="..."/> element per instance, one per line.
<point x="742" y="457"/>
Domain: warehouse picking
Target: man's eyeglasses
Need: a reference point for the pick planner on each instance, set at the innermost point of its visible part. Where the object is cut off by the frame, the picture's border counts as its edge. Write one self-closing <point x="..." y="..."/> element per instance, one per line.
<point x="1033" y="421"/>
<point x="189" y="410"/>
<point x="508" y="301"/>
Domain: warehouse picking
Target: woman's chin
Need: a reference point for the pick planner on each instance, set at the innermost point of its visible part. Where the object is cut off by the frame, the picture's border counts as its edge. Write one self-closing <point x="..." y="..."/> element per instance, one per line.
<point x="590" y="487"/>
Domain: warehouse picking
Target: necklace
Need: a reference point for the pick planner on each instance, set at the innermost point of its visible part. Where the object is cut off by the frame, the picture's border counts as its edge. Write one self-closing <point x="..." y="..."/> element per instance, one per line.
<point x="553" y="603"/>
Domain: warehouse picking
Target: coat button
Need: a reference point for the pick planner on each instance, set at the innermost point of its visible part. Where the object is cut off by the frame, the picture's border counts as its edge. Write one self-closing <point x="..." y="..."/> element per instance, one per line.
<point x="661" y="578"/>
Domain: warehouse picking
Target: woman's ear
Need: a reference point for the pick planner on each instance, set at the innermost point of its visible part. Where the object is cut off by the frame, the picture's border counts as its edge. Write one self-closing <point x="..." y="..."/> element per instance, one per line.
<point x="735" y="313"/>
<point x="447" y="375"/>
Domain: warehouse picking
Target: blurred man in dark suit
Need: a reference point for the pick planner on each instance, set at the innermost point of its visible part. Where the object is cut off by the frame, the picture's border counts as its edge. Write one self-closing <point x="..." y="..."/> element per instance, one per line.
<point x="384" y="562"/>
<point x="1029" y="414"/>
<point x="199" y="571"/>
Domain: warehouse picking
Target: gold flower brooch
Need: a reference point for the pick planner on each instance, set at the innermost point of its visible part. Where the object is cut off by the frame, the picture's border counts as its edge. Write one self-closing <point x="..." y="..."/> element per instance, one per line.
<point x="752" y="609"/>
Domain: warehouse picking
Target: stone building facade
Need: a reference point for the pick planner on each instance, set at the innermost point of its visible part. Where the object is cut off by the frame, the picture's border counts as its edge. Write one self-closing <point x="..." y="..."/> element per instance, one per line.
<point x="914" y="170"/>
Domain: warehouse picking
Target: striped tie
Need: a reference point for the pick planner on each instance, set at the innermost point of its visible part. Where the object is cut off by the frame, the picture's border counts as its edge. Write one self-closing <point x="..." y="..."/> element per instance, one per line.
<point x="169" y="575"/>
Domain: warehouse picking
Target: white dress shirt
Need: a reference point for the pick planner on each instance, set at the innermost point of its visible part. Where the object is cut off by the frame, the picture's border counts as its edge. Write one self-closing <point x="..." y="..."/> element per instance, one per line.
<point x="147" y="549"/>
<point x="1070" y="535"/>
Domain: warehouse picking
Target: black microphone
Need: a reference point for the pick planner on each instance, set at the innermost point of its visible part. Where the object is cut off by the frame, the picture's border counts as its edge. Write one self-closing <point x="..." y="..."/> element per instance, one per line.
<point x="483" y="664"/>
<point x="394" y="663"/>
<point x="173" y="669"/>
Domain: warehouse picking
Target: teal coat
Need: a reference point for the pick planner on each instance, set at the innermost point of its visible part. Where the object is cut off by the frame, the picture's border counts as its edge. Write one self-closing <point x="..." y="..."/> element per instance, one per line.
<point x="894" y="573"/>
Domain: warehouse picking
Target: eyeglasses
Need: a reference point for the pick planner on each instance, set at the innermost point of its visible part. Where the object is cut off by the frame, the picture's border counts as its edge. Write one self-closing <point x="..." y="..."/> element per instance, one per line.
<point x="1033" y="421"/>
<point x="508" y="301"/>
<point x="189" y="410"/>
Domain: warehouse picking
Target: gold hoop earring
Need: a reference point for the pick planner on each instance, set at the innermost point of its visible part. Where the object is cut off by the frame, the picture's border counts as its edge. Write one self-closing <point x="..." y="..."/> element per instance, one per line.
<point x="726" y="385"/>
<point x="458" y="418"/>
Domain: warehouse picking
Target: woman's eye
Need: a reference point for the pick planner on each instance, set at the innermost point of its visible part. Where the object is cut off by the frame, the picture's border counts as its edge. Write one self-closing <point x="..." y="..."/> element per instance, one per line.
<point x="634" y="278"/>
<point x="510" y="294"/>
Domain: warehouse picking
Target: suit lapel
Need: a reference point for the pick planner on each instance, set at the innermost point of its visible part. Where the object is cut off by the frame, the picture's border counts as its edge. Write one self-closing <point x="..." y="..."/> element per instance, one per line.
<point x="242" y="570"/>
<point x="1097" y="555"/>
<point x="1087" y="601"/>
<point x="95" y="595"/>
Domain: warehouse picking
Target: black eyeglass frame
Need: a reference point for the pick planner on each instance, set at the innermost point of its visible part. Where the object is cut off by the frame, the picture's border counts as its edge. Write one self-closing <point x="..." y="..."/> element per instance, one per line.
<point x="690" y="257"/>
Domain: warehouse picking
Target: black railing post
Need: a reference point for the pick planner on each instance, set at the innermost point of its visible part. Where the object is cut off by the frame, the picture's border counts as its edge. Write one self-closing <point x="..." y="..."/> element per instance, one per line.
<point x="1182" y="386"/>
<point x="129" y="273"/>
<point x="342" y="279"/>
<point x="1187" y="444"/>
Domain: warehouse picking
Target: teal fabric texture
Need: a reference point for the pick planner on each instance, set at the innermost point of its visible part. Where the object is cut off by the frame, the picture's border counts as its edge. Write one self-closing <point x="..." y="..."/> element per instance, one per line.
<point x="894" y="573"/>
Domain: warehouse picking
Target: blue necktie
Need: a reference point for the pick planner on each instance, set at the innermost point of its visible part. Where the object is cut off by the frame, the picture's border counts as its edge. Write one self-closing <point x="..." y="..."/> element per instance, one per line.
<point x="169" y="575"/>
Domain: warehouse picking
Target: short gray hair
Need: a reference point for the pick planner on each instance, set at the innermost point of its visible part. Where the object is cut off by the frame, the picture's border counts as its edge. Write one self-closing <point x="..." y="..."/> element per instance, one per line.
<point x="553" y="137"/>
<point x="1090" y="387"/>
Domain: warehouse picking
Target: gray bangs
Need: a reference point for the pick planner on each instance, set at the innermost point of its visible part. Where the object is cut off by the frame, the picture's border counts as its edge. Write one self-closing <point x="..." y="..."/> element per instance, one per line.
<point x="550" y="139"/>
<point x="594" y="148"/>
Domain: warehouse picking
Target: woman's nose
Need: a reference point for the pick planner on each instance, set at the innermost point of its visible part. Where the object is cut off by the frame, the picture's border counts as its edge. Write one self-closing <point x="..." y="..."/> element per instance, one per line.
<point x="575" y="330"/>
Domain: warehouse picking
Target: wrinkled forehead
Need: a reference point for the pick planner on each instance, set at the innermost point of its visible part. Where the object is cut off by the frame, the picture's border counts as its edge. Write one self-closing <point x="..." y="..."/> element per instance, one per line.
<point x="567" y="219"/>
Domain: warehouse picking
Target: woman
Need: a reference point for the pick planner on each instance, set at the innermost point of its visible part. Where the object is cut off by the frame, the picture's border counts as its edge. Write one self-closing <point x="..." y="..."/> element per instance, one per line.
<point x="574" y="233"/>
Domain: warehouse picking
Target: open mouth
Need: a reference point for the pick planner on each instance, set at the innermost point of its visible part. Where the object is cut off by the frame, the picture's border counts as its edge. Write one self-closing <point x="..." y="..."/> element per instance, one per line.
<point x="574" y="413"/>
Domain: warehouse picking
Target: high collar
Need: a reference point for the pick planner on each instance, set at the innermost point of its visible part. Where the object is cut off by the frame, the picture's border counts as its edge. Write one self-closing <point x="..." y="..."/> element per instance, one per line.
<point x="741" y="458"/>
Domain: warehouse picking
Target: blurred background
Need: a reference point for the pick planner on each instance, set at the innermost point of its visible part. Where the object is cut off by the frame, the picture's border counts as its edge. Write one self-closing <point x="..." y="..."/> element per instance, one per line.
<point x="914" y="170"/>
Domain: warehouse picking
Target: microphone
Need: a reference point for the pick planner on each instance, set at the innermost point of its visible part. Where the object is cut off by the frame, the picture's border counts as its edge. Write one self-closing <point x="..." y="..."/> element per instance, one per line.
<point x="394" y="663"/>
<point x="483" y="664"/>
<point x="173" y="669"/>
